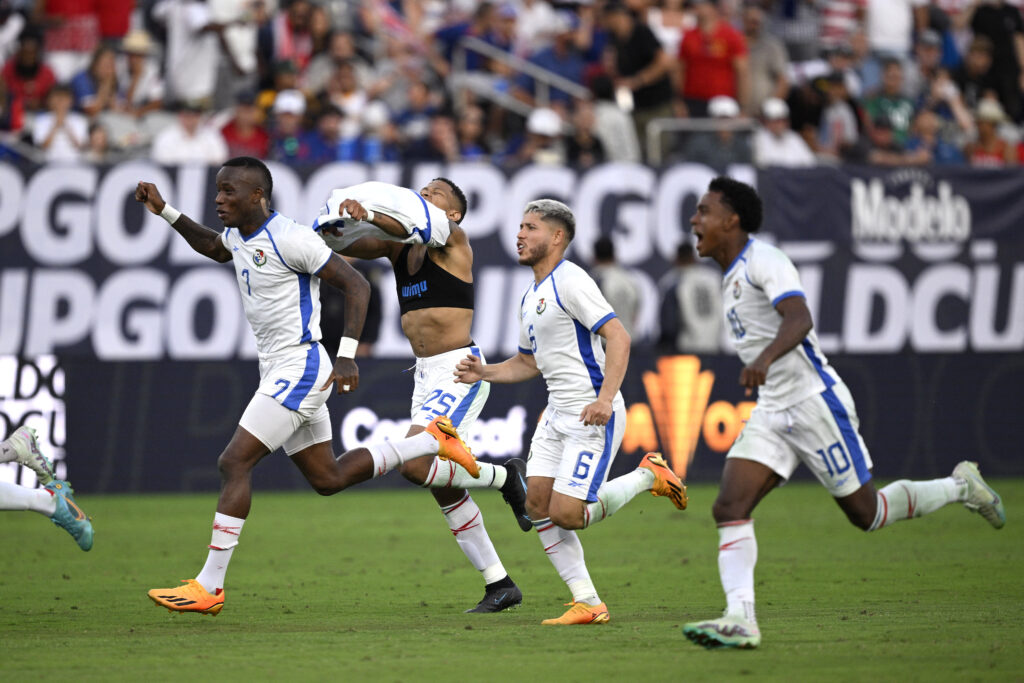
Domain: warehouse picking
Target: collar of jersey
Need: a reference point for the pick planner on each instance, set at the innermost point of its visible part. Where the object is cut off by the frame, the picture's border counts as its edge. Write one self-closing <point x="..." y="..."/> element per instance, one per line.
<point x="739" y="256"/>
<point x="261" y="228"/>
<point x="538" y="284"/>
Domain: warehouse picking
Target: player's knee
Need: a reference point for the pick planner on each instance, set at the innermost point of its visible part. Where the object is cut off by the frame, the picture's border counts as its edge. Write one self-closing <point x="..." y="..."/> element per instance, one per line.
<point x="231" y="464"/>
<point x="725" y="510"/>
<point x="536" y="509"/>
<point x="415" y="470"/>
<point x="567" y="519"/>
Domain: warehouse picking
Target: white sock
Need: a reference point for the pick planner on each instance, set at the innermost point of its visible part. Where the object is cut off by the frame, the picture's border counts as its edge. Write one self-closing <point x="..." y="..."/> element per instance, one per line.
<point x="467" y="524"/>
<point x="14" y="497"/>
<point x="615" y="493"/>
<point x="445" y="474"/>
<point x="391" y="454"/>
<point x="737" y="555"/>
<point x="226" y="530"/>
<point x="905" y="499"/>
<point x="565" y="551"/>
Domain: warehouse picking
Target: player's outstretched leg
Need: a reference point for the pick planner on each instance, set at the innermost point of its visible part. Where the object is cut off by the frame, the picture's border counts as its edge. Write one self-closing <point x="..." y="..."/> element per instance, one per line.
<point x="509" y="478"/>
<point x="981" y="497"/>
<point x="68" y="516"/>
<point x="451" y="446"/>
<point x="22" y="447"/>
<point x="498" y="597"/>
<point x="652" y="474"/>
<point x="563" y="548"/>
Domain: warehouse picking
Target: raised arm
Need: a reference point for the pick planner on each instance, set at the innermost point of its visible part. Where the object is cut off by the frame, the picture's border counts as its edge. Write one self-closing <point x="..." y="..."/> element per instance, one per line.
<point x="204" y="240"/>
<point x="356" y="289"/>
<point x="382" y="221"/>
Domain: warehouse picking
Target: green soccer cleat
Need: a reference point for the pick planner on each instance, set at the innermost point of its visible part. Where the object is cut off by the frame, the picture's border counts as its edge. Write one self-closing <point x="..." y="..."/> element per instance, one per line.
<point x="68" y="515"/>
<point x="27" y="453"/>
<point x="727" y="631"/>
<point x="981" y="498"/>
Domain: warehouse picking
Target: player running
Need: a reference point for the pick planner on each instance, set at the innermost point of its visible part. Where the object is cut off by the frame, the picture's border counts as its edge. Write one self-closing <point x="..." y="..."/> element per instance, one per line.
<point x="55" y="500"/>
<point x="563" y="318"/>
<point x="279" y="265"/>
<point x="804" y="413"/>
<point x="433" y="264"/>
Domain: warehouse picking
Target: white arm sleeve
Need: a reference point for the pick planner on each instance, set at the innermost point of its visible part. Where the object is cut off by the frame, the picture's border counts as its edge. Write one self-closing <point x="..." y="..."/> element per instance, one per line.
<point x="424" y="223"/>
<point x="583" y="300"/>
<point x="303" y="250"/>
<point x="772" y="271"/>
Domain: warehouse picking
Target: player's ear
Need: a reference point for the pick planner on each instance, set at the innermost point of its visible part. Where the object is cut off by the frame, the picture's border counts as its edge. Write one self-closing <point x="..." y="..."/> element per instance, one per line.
<point x="454" y="215"/>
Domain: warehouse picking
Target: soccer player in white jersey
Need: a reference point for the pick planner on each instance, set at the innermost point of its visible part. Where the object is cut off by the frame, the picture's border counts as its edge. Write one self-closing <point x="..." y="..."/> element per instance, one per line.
<point x="279" y="265"/>
<point x="420" y="234"/>
<point x="804" y="413"/>
<point x="55" y="500"/>
<point x="563" y="318"/>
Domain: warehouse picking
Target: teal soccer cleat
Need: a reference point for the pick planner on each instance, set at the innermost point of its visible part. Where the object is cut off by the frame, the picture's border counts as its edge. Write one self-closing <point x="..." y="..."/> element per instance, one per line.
<point x="68" y="515"/>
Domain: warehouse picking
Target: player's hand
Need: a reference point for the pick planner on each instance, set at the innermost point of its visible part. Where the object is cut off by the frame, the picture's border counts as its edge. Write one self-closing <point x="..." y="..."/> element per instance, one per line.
<point x="469" y="370"/>
<point x="146" y="193"/>
<point x="353" y="209"/>
<point x="597" y="413"/>
<point x="753" y="376"/>
<point x="345" y="374"/>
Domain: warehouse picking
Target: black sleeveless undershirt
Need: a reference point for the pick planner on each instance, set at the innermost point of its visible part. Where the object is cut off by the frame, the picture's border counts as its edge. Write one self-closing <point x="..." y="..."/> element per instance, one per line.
<point x="430" y="287"/>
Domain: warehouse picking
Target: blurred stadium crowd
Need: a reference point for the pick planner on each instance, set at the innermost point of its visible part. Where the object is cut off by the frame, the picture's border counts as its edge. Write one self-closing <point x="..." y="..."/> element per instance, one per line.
<point x="304" y="82"/>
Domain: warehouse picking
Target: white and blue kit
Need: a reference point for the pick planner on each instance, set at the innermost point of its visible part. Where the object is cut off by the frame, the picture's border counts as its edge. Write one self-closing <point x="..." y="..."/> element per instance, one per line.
<point x="277" y="268"/>
<point x="804" y="411"/>
<point x="424" y="222"/>
<point x="558" y="320"/>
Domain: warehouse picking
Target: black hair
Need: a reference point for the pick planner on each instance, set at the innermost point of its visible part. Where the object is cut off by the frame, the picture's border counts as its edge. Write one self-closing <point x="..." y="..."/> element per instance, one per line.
<point x="260" y="167"/>
<point x="604" y="249"/>
<point x="460" y="197"/>
<point x="742" y="199"/>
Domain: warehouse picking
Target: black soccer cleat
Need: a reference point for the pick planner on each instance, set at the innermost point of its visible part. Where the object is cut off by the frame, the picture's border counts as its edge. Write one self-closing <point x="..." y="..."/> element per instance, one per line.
<point x="514" y="492"/>
<point x="499" y="599"/>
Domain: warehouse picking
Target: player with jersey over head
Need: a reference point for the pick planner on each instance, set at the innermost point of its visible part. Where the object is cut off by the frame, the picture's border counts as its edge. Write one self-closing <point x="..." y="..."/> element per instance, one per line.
<point x="563" y="318"/>
<point x="278" y="266"/>
<point x="420" y="233"/>
<point x="804" y="413"/>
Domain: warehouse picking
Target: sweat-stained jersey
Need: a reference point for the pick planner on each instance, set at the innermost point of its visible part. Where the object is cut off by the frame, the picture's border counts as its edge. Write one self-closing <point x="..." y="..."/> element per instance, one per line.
<point x="758" y="279"/>
<point x="424" y="222"/>
<point x="276" y="267"/>
<point x="558" y="323"/>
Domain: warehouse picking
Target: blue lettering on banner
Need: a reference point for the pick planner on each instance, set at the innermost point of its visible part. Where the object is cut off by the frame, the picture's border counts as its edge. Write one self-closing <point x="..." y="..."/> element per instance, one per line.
<point x="417" y="290"/>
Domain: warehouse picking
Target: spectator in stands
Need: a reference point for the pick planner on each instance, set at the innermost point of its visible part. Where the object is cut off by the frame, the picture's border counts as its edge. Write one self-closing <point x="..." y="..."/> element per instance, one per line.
<point x="345" y="92"/>
<point x="533" y="26"/>
<point x="189" y="139"/>
<point x="192" y="53"/>
<point x="775" y="143"/>
<point x="473" y="146"/>
<point x="841" y="21"/>
<point x="767" y="59"/>
<point x="690" y="313"/>
<point x="26" y="74"/>
<point x="287" y="37"/>
<point x="583" y="148"/>
<point x="478" y="26"/>
<point x="838" y="132"/>
<point x="11" y="25"/>
<point x="287" y="136"/>
<point x="139" y="74"/>
<point x="1002" y="24"/>
<point x="441" y="144"/>
<point x="712" y="61"/>
<point x="562" y="58"/>
<point x="414" y="122"/>
<point x="974" y="77"/>
<point x="798" y="25"/>
<point x="890" y="103"/>
<point x="724" y="146"/>
<point x="942" y="97"/>
<point x="612" y="125"/>
<point x="12" y="116"/>
<point x="322" y="144"/>
<point x="97" y="149"/>
<point x="925" y="65"/>
<point x="95" y="88"/>
<point x="59" y="131"/>
<point x="72" y="32"/>
<point x="544" y="142"/>
<point x="881" y="147"/>
<point x="990" y="149"/>
<point x="668" y="21"/>
<point x="926" y="134"/>
<point x="284" y="76"/>
<point x="890" y="26"/>
<point x="617" y="284"/>
<point x="238" y="69"/>
<point x="641" y="67"/>
<point x="341" y="50"/>
<point x="379" y="140"/>
<point x="114" y="18"/>
<point x="244" y="134"/>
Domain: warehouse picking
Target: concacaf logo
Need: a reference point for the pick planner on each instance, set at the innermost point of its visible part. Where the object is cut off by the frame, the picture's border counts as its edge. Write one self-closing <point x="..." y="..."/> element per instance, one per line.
<point x="258" y="257"/>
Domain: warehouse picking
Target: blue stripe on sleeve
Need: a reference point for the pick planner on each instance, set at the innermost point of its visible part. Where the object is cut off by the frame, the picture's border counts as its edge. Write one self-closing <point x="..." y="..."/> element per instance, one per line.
<point x="787" y="295"/>
<point x="424" y="234"/>
<point x="526" y="352"/>
<point x="602" y="321"/>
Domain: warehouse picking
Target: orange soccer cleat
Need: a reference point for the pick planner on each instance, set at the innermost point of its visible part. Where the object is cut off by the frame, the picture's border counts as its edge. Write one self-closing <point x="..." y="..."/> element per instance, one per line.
<point x="451" y="446"/>
<point x="581" y="613"/>
<point x="191" y="597"/>
<point x="666" y="483"/>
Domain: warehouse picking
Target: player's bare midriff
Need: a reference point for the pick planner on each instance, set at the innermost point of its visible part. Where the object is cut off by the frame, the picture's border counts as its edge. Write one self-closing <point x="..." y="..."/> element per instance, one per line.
<point x="436" y="330"/>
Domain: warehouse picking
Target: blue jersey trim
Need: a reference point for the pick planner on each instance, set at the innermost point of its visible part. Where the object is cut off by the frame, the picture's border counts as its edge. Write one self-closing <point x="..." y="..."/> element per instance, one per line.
<point x="603" y="461"/>
<point x="787" y="295"/>
<point x="740" y="256"/>
<point x="602" y="321"/>
<point x="424" y="234"/>
<point x="317" y="271"/>
<point x="278" y="252"/>
<point x="587" y="356"/>
<point x="305" y="383"/>
<point x="246" y="238"/>
<point x="467" y="401"/>
<point x="538" y="284"/>
<point x="554" y="288"/>
<point x="305" y="305"/>
<point x="816" y="362"/>
<point x="525" y="352"/>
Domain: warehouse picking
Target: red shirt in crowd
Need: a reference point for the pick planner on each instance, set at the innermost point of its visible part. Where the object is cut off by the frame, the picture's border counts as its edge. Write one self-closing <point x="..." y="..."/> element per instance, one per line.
<point x="31" y="92"/>
<point x="255" y="144"/>
<point x="708" y="60"/>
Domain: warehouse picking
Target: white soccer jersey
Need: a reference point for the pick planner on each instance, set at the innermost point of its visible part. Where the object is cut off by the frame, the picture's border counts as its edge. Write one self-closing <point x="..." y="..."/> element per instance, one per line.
<point x="558" y="323"/>
<point x="425" y="223"/>
<point x="758" y="279"/>
<point x="276" y="268"/>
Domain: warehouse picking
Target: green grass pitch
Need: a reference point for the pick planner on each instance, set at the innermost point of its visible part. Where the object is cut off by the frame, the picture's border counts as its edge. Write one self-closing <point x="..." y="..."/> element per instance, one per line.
<point x="371" y="586"/>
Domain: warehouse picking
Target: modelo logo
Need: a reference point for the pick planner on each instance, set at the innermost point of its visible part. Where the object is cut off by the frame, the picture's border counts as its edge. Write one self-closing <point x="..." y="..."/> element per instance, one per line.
<point x="915" y="217"/>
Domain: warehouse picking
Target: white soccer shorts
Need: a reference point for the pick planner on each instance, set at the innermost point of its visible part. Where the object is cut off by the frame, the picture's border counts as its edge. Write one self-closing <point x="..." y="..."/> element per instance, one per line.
<point x="437" y="393"/>
<point x="821" y="431"/>
<point x="289" y="410"/>
<point x="576" y="456"/>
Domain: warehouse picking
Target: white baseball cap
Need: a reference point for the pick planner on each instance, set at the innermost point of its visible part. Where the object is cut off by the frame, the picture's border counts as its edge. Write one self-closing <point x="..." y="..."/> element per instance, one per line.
<point x="774" y="108"/>
<point x="290" y="102"/>
<point x="723" y="106"/>
<point x="544" y="121"/>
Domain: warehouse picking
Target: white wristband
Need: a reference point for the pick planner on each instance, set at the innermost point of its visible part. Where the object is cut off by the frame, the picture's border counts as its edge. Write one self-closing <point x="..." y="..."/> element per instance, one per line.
<point x="169" y="213"/>
<point x="369" y="216"/>
<point x="347" y="347"/>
